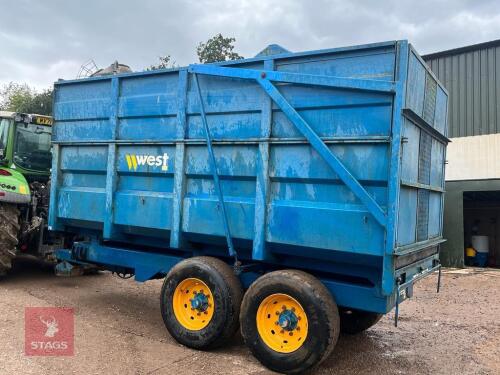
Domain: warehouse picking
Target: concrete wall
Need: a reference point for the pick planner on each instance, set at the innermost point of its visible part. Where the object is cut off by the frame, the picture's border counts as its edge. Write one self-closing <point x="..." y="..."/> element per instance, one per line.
<point x="473" y="158"/>
<point x="452" y="251"/>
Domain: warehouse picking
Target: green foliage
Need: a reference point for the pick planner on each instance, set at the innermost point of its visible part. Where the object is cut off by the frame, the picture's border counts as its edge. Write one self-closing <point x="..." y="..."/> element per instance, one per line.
<point x="18" y="97"/>
<point x="217" y="48"/>
<point x="164" y="62"/>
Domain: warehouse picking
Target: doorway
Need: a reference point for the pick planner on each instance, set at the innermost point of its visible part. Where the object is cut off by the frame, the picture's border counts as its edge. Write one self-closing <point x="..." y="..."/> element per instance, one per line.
<point x="482" y="228"/>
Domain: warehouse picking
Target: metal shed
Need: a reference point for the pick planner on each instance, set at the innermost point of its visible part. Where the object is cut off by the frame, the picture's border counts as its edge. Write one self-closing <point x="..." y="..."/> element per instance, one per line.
<point x="472" y="76"/>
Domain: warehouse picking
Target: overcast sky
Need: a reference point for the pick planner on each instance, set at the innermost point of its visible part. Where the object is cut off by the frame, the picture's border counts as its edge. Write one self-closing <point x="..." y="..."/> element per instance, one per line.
<point x="43" y="40"/>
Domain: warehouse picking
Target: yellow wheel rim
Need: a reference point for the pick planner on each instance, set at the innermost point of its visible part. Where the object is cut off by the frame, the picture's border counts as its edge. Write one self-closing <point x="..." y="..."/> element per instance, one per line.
<point x="282" y="323"/>
<point x="193" y="304"/>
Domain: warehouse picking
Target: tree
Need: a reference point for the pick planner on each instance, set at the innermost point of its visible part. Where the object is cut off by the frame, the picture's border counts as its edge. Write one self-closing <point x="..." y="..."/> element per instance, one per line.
<point x="18" y="97"/>
<point x="164" y="62"/>
<point x="216" y="49"/>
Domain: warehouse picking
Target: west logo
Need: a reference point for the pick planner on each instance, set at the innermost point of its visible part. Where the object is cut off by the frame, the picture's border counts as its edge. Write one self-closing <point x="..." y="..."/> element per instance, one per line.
<point x="133" y="161"/>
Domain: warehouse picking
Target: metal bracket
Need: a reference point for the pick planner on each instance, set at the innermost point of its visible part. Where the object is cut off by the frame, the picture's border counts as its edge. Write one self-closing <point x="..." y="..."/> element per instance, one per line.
<point x="401" y="288"/>
<point x="297" y="78"/>
<point x="264" y="79"/>
<point x="232" y="251"/>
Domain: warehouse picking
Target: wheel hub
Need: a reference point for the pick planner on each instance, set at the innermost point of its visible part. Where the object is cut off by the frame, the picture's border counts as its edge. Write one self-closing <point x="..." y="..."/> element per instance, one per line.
<point x="288" y="320"/>
<point x="199" y="302"/>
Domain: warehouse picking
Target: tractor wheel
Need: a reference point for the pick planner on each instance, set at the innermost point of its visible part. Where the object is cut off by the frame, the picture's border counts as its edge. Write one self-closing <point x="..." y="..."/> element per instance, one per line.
<point x="9" y="230"/>
<point x="356" y="321"/>
<point x="289" y="321"/>
<point x="200" y="302"/>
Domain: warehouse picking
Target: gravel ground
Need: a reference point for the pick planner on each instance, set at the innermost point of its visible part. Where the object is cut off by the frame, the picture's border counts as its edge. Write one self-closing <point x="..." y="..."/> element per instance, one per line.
<point x="119" y="330"/>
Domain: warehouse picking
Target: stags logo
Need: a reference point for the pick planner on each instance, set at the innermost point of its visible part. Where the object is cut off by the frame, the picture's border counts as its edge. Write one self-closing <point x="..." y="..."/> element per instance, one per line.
<point x="49" y="331"/>
<point x="134" y="161"/>
<point x="51" y="326"/>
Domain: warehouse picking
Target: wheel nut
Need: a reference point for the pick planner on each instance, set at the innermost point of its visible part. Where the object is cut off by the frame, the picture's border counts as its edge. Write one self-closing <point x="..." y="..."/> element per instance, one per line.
<point x="299" y="318"/>
<point x="298" y="328"/>
<point x="283" y="307"/>
<point x="277" y="312"/>
<point x="282" y="331"/>
<point x="291" y="333"/>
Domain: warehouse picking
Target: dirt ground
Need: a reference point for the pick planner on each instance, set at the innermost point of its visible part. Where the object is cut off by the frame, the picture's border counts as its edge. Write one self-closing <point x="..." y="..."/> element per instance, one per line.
<point x="119" y="330"/>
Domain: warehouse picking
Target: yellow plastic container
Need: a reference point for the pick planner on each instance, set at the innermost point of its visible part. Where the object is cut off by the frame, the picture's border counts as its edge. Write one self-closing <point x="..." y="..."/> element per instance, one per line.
<point x="470" y="252"/>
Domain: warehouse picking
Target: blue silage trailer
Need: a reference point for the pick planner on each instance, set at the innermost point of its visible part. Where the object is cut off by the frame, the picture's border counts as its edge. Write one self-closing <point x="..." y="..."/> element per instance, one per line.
<point x="294" y="194"/>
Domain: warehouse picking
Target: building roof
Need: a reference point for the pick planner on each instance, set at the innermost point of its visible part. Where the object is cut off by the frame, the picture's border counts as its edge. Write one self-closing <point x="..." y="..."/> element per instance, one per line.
<point x="6" y="114"/>
<point x="459" y="50"/>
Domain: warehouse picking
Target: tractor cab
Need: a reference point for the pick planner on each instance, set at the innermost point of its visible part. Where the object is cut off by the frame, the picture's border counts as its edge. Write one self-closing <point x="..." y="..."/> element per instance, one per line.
<point x="25" y="162"/>
<point x="25" y="144"/>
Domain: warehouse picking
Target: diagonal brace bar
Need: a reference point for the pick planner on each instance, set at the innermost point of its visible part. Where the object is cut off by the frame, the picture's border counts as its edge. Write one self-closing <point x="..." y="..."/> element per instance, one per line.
<point x="324" y="151"/>
<point x="297" y="78"/>
<point x="218" y="189"/>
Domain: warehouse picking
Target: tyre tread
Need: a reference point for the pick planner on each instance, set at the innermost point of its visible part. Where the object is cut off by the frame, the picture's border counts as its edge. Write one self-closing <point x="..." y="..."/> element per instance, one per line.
<point x="9" y="230"/>
<point x="320" y="293"/>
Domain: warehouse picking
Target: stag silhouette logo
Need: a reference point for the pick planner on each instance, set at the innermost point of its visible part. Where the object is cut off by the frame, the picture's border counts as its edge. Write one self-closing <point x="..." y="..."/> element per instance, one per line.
<point x="49" y="331"/>
<point x="52" y="326"/>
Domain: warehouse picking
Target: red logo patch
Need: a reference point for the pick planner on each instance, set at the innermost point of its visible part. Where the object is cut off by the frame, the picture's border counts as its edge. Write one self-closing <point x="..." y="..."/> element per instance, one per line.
<point x="49" y="331"/>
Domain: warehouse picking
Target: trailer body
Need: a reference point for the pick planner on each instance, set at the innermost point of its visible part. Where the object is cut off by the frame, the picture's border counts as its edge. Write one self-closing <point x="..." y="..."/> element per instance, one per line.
<point x="328" y="161"/>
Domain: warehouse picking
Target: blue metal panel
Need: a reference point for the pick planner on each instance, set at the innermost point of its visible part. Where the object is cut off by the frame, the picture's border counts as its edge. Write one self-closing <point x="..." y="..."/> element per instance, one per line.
<point x="221" y="207"/>
<point x="435" y="210"/>
<point x="441" y="111"/>
<point x="363" y="120"/>
<point x="88" y="101"/>
<point x="424" y="146"/>
<point x="90" y="130"/>
<point x="407" y="220"/>
<point x="317" y="163"/>
<point x="416" y="85"/>
<point x="325" y="152"/>
<point x="411" y="144"/>
<point x="437" y="163"/>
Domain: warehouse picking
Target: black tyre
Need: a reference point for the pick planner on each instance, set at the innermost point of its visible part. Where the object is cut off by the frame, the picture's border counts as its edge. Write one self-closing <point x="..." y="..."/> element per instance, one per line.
<point x="356" y="321"/>
<point x="9" y="230"/>
<point x="200" y="302"/>
<point x="290" y="321"/>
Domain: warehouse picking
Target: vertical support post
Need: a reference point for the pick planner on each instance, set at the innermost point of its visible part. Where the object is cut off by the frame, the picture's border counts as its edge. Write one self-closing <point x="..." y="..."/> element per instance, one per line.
<point x="218" y="188"/>
<point x="111" y="174"/>
<point x="395" y="166"/>
<point x="180" y="156"/>
<point x="262" y="177"/>
<point x="56" y="177"/>
<point x="396" y="312"/>
<point x="439" y="280"/>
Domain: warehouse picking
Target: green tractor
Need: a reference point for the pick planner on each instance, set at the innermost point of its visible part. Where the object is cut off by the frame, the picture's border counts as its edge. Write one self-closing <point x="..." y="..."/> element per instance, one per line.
<point x="25" y="162"/>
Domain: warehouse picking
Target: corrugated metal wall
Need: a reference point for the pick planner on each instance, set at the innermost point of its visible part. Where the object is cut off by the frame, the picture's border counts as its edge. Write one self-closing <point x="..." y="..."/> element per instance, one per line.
<point x="472" y="78"/>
